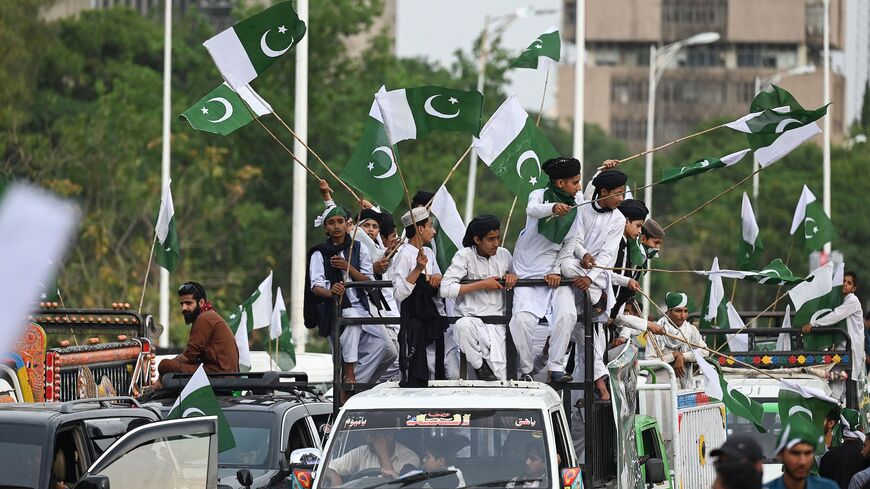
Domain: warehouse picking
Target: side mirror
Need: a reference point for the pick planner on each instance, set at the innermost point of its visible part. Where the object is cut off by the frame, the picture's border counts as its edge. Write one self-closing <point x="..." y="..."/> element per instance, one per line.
<point x="572" y="478"/>
<point x="93" y="482"/>
<point x="655" y="471"/>
<point x="306" y="458"/>
<point x="244" y="477"/>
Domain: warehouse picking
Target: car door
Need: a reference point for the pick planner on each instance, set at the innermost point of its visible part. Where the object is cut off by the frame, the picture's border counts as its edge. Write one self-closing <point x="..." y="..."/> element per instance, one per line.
<point x="172" y="454"/>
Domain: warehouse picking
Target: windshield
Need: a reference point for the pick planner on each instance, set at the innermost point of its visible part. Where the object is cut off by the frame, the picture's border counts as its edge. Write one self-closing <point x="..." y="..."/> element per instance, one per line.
<point x="739" y="426"/>
<point x="252" y="432"/>
<point x="20" y="456"/>
<point x="438" y="449"/>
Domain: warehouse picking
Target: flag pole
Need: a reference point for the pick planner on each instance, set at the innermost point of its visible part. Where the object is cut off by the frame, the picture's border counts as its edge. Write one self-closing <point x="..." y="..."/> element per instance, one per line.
<point x="165" y="161"/>
<point x="787" y="259"/>
<point x="450" y="174"/>
<point x="675" y="141"/>
<point x="147" y="270"/>
<point x="715" y="198"/>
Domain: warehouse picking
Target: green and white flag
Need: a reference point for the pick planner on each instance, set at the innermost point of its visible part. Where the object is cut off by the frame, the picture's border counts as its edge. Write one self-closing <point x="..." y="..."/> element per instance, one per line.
<point x="545" y="50"/>
<point x="777" y="124"/>
<point x="807" y="405"/>
<point x="450" y="228"/>
<point x="372" y="168"/>
<point x="247" y="49"/>
<point x="815" y="299"/>
<point x="198" y="399"/>
<point x="783" y="341"/>
<point x="736" y="342"/>
<point x="514" y="148"/>
<point x="714" y="312"/>
<point x="238" y="323"/>
<point x="166" y="254"/>
<point x="750" y="247"/>
<point x="280" y="331"/>
<point x="260" y="312"/>
<point x="735" y="401"/>
<point x="412" y="113"/>
<point x="809" y="216"/>
<point x="671" y="175"/>
<point x="223" y="110"/>
<point x="775" y="273"/>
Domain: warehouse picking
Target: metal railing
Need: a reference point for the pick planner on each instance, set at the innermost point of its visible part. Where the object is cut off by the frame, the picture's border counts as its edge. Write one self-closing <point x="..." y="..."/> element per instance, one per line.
<point x="599" y="461"/>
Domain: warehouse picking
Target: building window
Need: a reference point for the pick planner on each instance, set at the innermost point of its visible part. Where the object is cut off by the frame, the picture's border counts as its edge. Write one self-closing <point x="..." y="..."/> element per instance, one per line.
<point x="628" y="91"/>
<point x="628" y="129"/>
<point x="683" y="18"/>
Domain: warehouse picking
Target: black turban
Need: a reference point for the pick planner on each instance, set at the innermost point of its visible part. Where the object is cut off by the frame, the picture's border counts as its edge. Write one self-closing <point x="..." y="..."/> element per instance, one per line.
<point x="480" y="226"/>
<point x="422" y="198"/>
<point x="633" y="210"/>
<point x="561" y="167"/>
<point x="372" y="214"/>
<point x="609" y="180"/>
<point x="387" y="224"/>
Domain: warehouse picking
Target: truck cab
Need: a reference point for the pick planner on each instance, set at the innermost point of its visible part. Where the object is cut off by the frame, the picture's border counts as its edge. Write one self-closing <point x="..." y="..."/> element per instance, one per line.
<point x="468" y="433"/>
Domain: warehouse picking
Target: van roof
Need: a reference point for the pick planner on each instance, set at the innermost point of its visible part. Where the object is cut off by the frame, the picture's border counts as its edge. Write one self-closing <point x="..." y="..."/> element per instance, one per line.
<point x="458" y="394"/>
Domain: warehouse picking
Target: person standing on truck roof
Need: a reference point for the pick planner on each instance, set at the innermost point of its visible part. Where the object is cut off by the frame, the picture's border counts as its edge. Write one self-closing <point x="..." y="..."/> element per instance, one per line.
<point x="675" y="352"/>
<point x="739" y="464"/>
<point x="595" y="252"/>
<point x="481" y="259"/>
<point x="367" y="350"/>
<point x="796" y="448"/>
<point x="842" y="462"/>
<point x="553" y="225"/>
<point x="211" y="342"/>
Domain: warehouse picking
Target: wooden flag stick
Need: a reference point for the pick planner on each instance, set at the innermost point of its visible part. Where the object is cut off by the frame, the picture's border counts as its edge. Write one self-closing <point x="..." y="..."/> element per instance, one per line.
<point x="450" y="174"/>
<point x="675" y="141"/>
<point x="147" y="270"/>
<point x="720" y="194"/>
<point x="309" y="170"/>
<point x="508" y="222"/>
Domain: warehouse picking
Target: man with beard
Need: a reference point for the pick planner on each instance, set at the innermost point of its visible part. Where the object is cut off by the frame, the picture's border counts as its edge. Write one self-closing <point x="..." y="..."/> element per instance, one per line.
<point x="210" y="343"/>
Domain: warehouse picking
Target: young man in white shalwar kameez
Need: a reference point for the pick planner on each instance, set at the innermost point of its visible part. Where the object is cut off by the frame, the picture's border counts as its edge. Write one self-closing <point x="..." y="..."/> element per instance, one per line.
<point x="481" y="259"/>
<point x="552" y="224"/>
<point x="678" y="353"/>
<point x="594" y="252"/>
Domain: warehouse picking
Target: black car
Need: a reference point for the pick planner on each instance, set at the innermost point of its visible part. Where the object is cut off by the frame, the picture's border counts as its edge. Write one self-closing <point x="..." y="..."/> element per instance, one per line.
<point x="271" y="414"/>
<point x="49" y="445"/>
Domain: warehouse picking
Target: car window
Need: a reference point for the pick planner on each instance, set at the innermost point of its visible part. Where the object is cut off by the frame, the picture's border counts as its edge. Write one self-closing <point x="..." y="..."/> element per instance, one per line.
<point x="102" y="432"/>
<point x="167" y="463"/>
<point x="20" y="455"/>
<point x="253" y="433"/>
<point x="69" y="457"/>
<point x="300" y="436"/>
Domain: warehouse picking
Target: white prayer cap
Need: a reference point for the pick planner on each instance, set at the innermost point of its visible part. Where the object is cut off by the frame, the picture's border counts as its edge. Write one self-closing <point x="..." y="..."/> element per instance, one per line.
<point x="420" y="214"/>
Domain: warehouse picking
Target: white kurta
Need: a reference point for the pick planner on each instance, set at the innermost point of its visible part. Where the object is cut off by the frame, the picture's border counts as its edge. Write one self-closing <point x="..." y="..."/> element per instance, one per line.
<point x="851" y="311"/>
<point x="478" y="340"/>
<point x="603" y="232"/>
<point x="669" y="346"/>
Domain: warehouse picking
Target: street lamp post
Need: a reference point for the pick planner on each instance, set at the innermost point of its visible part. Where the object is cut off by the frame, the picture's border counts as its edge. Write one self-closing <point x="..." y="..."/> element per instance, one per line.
<point x="506" y="21"/>
<point x="659" y="60"/>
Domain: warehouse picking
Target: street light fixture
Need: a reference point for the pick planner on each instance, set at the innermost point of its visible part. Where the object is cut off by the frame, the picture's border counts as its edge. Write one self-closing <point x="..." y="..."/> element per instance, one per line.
<point x="659" y="61"/>
<point x="505" y="22"/>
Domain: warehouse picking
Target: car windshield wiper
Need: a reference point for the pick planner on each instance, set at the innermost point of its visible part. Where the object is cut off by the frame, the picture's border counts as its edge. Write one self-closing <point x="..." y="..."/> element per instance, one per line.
<point x="404" y="481"/>
<point x="503" y="482"/>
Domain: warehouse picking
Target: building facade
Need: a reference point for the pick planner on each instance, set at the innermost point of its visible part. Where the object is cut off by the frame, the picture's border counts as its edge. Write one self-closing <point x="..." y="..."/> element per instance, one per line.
<point x="758" y="39"/>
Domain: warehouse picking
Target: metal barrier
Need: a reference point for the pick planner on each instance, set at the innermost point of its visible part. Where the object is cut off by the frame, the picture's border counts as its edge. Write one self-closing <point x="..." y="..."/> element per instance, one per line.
<point x="600" y="459"/>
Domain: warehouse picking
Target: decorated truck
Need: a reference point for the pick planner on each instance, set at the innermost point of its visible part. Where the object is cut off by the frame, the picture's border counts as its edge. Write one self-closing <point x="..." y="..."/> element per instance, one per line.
<point x="66" y="354"/>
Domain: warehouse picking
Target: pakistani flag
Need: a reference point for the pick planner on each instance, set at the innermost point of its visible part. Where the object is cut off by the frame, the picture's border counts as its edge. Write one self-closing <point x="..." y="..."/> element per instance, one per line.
<point x="545" y="50"/>
<point x="777" y="124"/>
<point x="167" y="245"/>
<point x="260" y="305"/>
<point x="247" y="49"/>
<point x="736" y="402"/>
<point x="807" y="405"/>
<point x="809" y="216"/>
<point x="783" y="341"/>
<point x="736" y="342"/>
<point x="280" y="331"/>
<point x="750" y="247"/>
<point x="514" y="148"/>
<point x="223" y="110"/>
<point x="450" y="228"/>
<point x="198" y="399"/>
<point x="775" y="273"/>
<point x="238" y="323"/>
<point x="714" y="312"/>
<point x="671" y="175"/>
<point x="814" y="299"/>
<point x="412" y="113"/>
<point x="372" y="168"/>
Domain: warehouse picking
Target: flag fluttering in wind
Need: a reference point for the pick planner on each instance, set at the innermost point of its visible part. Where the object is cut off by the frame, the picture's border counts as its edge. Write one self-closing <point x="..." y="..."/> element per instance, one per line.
<point x="775" y="273"/>
<point x="198" y="399"/>
<point x="783" y="341"/>
<point x="750" y="247"/>
<point x="450" y="228"/>
<point x="223" y="110"/>
<point x="247" y="49"/>
<point x="412" y="113"/>
<point x="740" y="341"/>
<point x="280" y="330"/>
<point x="514" y="149"/>
<point x="167" y="252"/>
<point x="810" y="218"/>
<point x="714" y="298"/>
<point x="372" y="168"/>
<point x="804" y="408"/>
<point x="736" y="402"/>
<point x="544" y="51"/>
<point x="777" y="124"/>
<point x="815" y="299"/>
<point x="671" y="175"/>
<point x="260" y="312"/>
<point x="238" y="323"/>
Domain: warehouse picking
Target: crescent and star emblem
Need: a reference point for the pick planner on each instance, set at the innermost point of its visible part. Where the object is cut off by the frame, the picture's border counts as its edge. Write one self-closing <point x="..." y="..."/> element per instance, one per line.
<point x="800" y="409"/>
<point x="435" y="113"/>
<point x="771" y="271"/>
<point x="538" y="44"/>
<point x="264" y="46"/>
<point x="529" y="155"/>
<point x="228" y="109"/>
<point x="818" y="314"/>
<point x="781" y="126"/>
<point x="810" y="233"/>
<point x="192" y="411"/>
<point x="393" y="168"/>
